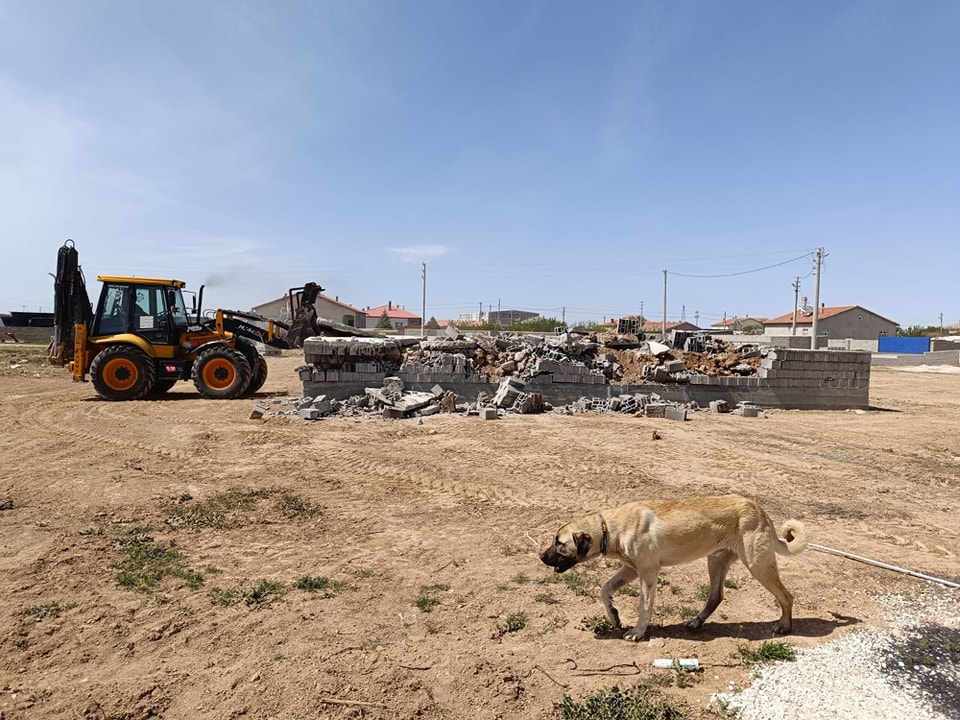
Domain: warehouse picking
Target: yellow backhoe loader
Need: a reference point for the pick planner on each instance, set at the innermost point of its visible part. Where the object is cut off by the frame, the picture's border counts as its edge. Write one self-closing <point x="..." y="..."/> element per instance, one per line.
<point x="141" y="339"/>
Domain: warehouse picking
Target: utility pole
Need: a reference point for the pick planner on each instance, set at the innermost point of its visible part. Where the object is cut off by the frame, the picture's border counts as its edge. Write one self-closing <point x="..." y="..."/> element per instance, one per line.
<point x="941" y="322"/>
<point x="683" y="313"/>
<point x="423" y="306"/>
<point x="796" y="295"/>
<point x="818" y="263"/>
<point x="480" y="317"/>
<point x="696" y="318"/>
<point x="563" y="316"/>
<point x="663" y="328"/>
<point x="642" y="319"/>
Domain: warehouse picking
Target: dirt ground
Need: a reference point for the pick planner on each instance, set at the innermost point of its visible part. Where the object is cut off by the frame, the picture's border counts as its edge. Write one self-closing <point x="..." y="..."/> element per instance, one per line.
<point x="175" y="559"/>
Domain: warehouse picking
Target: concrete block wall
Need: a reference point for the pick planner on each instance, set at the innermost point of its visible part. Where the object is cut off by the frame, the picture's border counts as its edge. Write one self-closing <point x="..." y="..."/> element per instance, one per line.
<point x="788" y="379"/>
<point x="935" y="357"/>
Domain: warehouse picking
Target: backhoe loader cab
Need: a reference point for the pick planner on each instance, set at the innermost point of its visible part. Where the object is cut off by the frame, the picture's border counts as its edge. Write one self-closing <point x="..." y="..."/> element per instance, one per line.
<point x="151" y="308"/>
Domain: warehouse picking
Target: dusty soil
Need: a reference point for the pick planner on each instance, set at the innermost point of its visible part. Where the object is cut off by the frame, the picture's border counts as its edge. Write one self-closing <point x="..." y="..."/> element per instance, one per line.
<point x="415" y="547"/>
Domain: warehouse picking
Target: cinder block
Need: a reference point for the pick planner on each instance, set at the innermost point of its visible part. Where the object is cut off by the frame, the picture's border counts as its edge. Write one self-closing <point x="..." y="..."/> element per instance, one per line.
<point x="655" y="409"/>
<point x="675" y="366"/>
<point x="257" y="412"/>
<point x="310" y="414"/>
<point x="488" y="413"/>
<point x="671" y="412"/>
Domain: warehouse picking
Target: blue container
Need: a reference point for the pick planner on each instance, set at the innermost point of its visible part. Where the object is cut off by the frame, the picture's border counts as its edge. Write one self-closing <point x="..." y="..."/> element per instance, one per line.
<point x="904" y="345"/>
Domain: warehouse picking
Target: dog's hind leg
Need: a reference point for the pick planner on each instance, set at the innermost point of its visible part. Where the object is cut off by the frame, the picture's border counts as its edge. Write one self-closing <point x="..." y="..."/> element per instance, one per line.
<point x="648" y="594"/>
<point x="765" y="571"/>
<point x="624" y="575"/>
<point x="717" y="565"/>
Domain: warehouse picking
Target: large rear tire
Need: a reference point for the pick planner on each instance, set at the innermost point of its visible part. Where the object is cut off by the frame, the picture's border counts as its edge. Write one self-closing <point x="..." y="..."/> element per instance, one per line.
<point x="123" y="372"/>
<point x="221" y="373"/>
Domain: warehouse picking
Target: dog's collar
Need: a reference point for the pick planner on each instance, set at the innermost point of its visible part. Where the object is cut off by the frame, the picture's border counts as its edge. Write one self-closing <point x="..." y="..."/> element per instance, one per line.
<point x="604" y="537"/>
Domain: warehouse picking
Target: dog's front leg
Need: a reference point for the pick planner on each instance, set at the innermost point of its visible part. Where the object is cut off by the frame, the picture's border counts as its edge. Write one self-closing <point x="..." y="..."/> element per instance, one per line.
<point x="648" y="594"/>
<point x="623" y="576"/>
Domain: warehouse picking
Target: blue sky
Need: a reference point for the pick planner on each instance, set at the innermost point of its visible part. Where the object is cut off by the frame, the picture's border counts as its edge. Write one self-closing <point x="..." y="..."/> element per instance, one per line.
<point x="555" y="156"/>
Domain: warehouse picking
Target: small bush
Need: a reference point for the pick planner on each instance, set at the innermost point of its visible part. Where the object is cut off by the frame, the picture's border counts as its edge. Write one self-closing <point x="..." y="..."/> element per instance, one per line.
<point x="47" y="610"/>
<point x="426" y="601"/>
<point x="547" y="599"/>
<point x="578" y="583"/>
<point x="263" y="593"/>
<point x="320" y="584"/>
<point x="514" y="622"/>
<point x="293" y="506"/>
<point x="599" y="624"/>
<point x="769" y="651"/>
<point x="634" y="703"/>
<point x="225" y="596"/>
<point x="145" y="563"/>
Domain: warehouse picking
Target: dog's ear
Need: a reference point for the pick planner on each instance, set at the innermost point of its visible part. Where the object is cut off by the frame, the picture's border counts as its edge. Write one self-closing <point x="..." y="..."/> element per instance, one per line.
<point x="583" y="541"/>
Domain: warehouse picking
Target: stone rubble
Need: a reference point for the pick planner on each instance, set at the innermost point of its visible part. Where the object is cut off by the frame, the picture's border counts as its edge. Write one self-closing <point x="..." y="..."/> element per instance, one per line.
<point x="393" y="401"/>
<point x="569" y="357"/>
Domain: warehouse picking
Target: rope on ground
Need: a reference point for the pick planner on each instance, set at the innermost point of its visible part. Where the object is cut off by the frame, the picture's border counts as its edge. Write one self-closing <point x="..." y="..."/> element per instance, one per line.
<point x="886" y="566"/>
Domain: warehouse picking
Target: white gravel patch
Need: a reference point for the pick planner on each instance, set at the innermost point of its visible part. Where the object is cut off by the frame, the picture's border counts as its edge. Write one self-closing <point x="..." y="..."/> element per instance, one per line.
<point x="910" y="671"/>
<point x="946" y="369"/>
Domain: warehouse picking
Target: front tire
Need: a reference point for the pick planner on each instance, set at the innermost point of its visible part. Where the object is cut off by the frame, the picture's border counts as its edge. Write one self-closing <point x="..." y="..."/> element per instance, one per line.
<point x="221" y="373"/>
<point x="123" y="372"/>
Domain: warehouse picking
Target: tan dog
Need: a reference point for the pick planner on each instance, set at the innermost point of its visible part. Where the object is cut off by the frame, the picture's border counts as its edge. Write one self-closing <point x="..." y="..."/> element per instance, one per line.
<point x="646" y="537"/>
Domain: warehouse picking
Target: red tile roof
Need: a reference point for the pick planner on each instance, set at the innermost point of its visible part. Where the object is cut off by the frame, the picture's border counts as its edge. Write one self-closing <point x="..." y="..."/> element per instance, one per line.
<point x="393" y="311"/>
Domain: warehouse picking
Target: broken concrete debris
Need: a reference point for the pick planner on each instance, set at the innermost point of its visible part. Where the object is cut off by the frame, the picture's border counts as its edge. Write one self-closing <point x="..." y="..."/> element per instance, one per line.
<point x="393" y="402"/>
<point x="511" y="360"/>
<point x="745" y="409"/>
<point x="568" y="357"/>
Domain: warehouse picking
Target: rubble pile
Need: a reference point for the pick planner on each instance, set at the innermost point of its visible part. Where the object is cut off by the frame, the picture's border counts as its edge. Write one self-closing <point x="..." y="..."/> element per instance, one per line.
<point x="586" y="358"/>
<point x="494" y="357"/>
<point x="569" y="357"/>
<point x="393" y="401"/>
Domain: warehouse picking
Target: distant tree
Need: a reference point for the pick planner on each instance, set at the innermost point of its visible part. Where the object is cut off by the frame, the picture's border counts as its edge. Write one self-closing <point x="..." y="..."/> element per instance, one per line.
<point x="432" y="323"/>
<point x="918" y="331"/>
<point x="536" y="324"/>
<point x="384" y="322"/>
<point x="594" y="326"/>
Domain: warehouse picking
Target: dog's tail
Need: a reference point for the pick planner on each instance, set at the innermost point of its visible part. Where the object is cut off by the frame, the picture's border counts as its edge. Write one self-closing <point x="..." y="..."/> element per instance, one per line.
<point x="792" y="538"/>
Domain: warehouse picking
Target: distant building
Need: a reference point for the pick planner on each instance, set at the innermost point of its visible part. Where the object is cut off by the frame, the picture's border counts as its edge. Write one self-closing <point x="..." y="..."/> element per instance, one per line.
<point x="399" y="317"/>
<point x="843" y="321"/>
<point x="654" y="327"/>
<point x="506" y="318"/>
<point x="740" y="324"/>
<point x="327" y="307"/>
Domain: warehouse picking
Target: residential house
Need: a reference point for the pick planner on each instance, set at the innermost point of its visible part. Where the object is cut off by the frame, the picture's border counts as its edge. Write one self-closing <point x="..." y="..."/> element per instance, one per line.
<point x="750" y="325"/>
<point x="399" y="317"/>
<point x="655" y="327"/>
<point x="330" y="308"/>
<point x="842" y="321"/>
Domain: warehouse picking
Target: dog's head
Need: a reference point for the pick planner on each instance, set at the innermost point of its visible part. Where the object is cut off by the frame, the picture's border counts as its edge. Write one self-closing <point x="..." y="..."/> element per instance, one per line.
<point x="570" y="545"/>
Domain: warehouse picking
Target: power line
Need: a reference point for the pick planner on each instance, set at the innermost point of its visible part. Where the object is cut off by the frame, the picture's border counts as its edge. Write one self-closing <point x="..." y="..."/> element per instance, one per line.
<point x="744" y="272"/>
